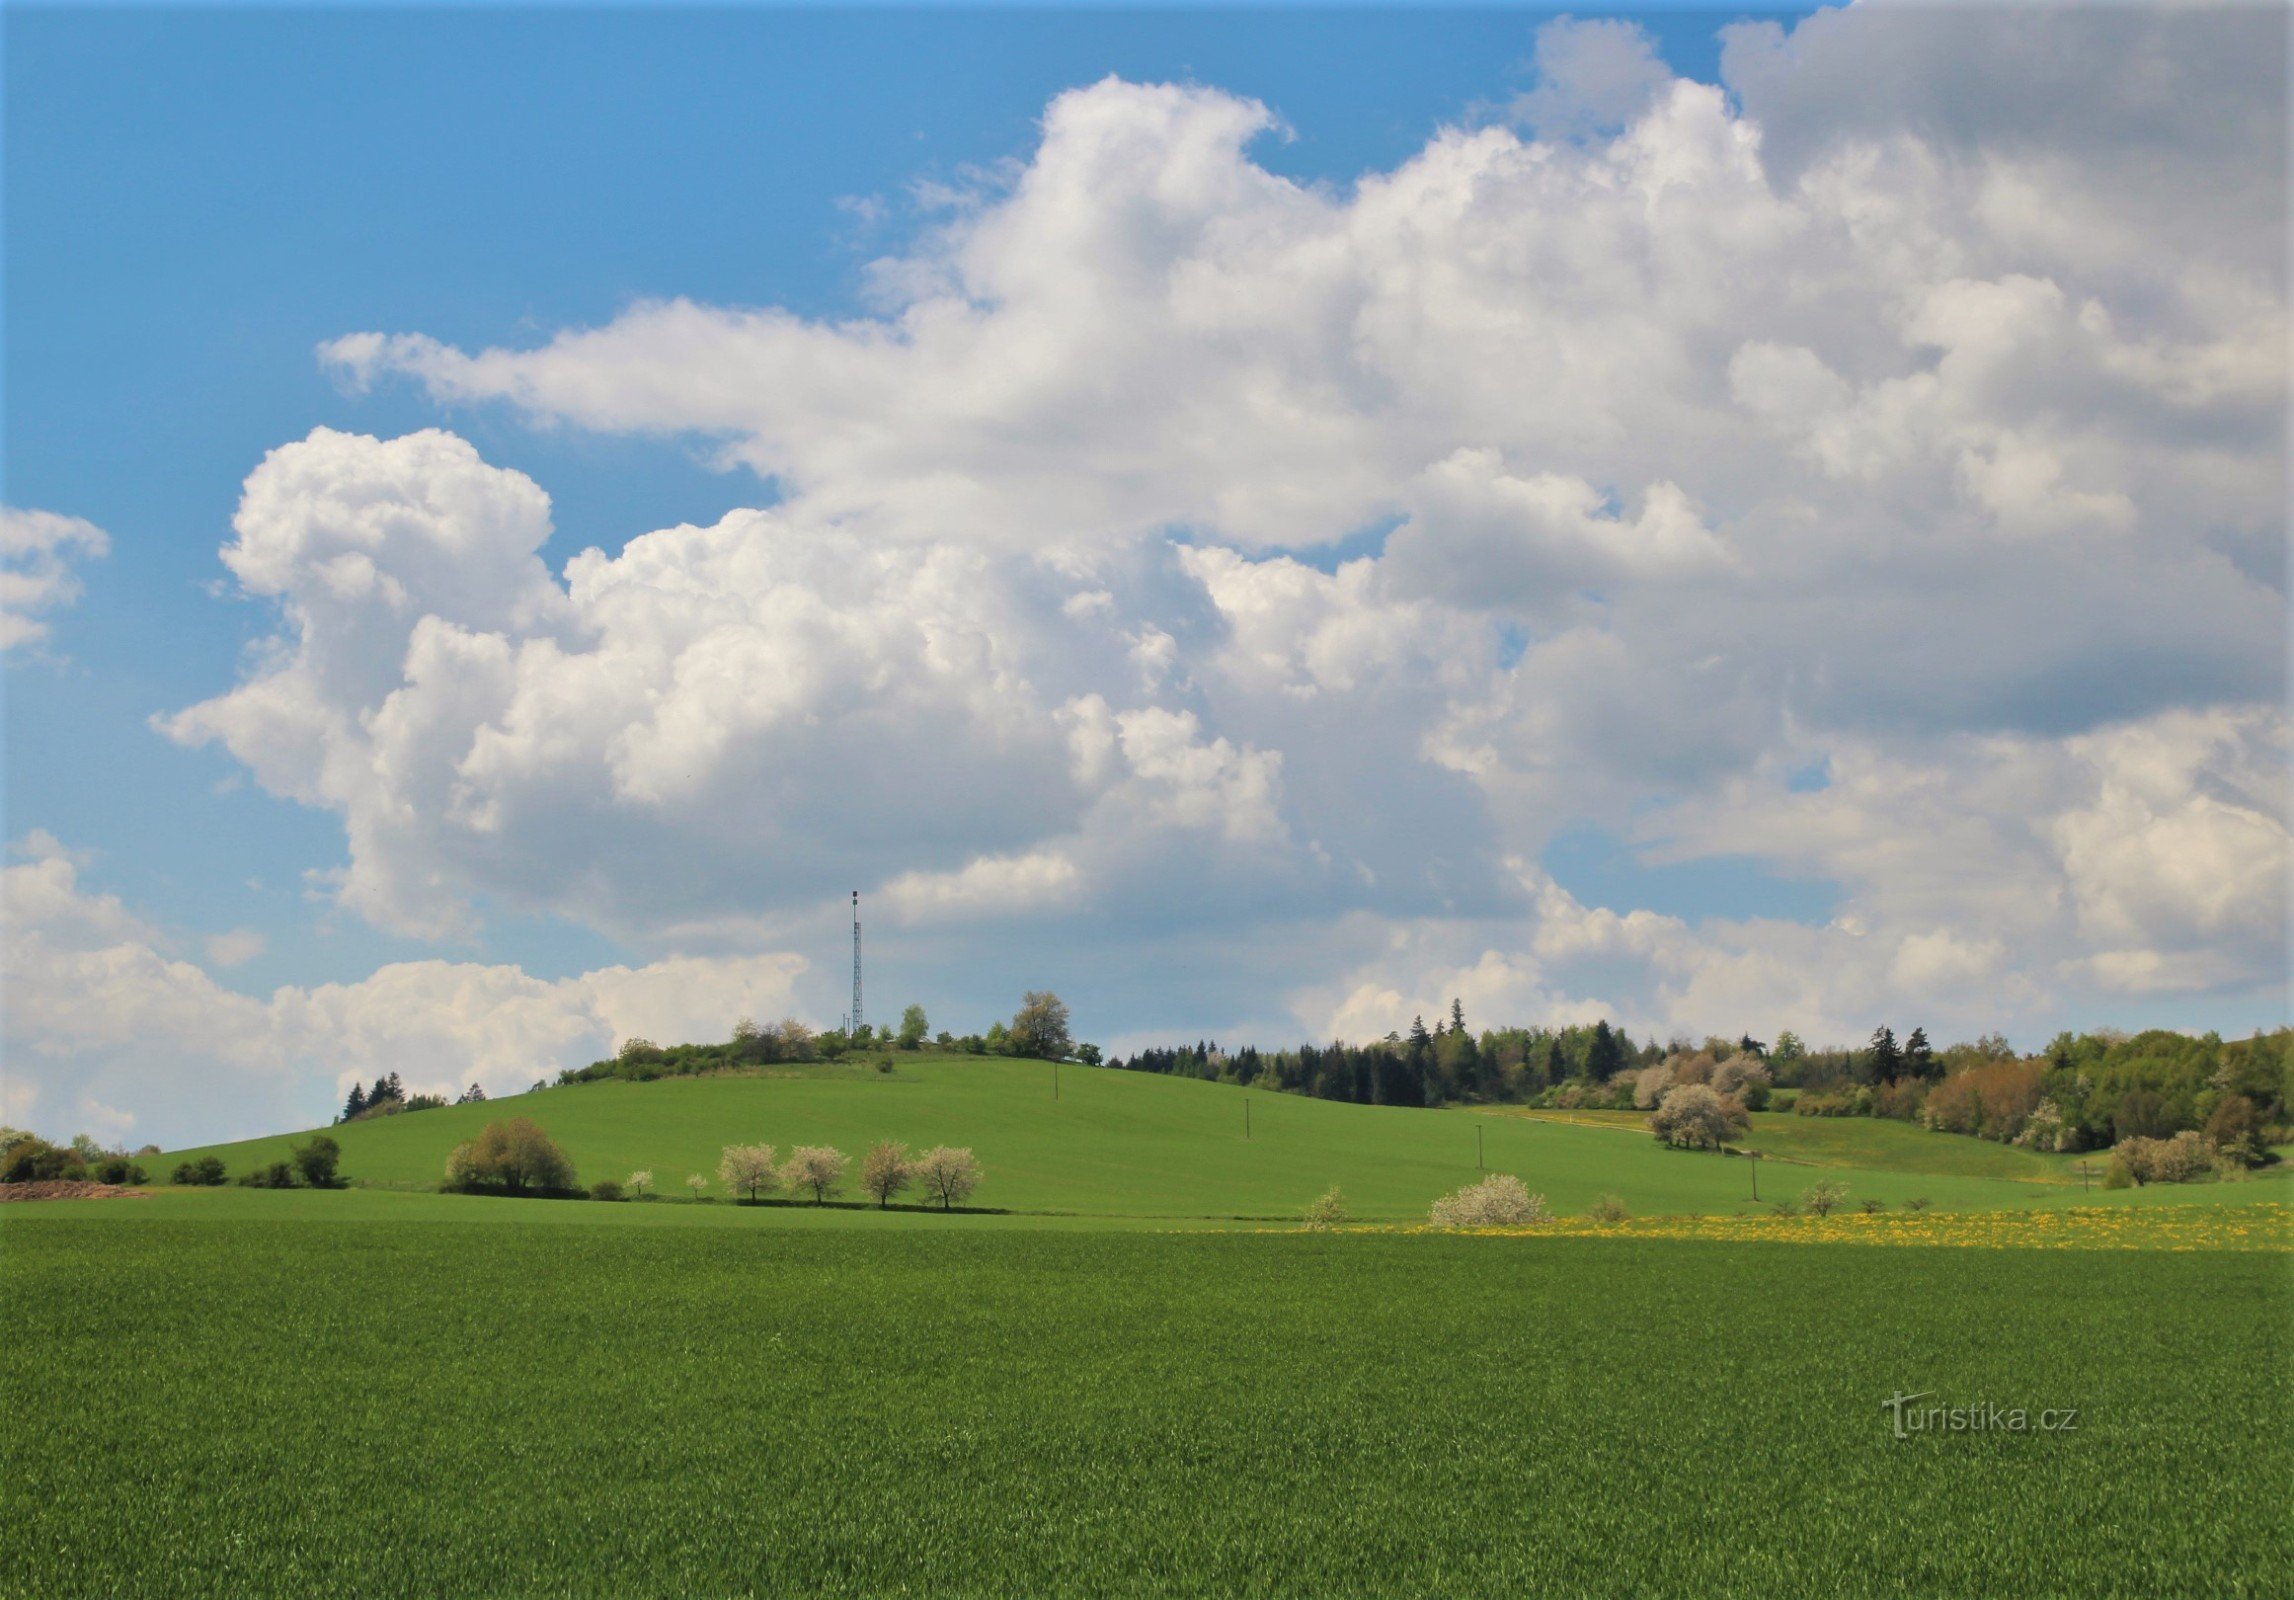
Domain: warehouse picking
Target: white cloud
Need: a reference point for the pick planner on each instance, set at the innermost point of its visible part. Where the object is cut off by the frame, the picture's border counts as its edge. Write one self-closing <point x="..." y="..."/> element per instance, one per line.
<point x="1932" y="429"/>
<point x="37" y="550"/>
<point x="235" y="948"/>
<point x="100" y="1014"/>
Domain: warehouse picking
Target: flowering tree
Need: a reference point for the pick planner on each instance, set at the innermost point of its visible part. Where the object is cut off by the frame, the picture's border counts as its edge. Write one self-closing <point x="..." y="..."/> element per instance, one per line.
<point x="817" y="1167"/>
<point x="1326" y="1211"/>
<point x="1694" y="1117"/>
<point x="886" y="1169"/>
<point x="1498" y="1201"/>
<point x="948" y="1175"/>
<point x="641" y="1181"/>
<point x="696" y="1185"/>
<point x="1822" y="1196"/>
<point x="748" y="1168"/>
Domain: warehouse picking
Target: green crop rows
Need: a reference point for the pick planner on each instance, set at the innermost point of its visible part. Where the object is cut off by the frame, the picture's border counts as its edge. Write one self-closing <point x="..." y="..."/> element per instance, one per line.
<point x="306" y="1407"/>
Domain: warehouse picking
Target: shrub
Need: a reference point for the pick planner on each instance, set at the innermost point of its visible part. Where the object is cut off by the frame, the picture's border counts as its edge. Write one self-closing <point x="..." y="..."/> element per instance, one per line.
<point x="512" y="1156"/>
<point x="278" y="1175"/>
<point x="204" y="1173"/>
<point x="1822" y="1196"/>
<point x="118" y="1170"/>
<point x="748" y="1168"/>
<point x="1738" y="1076"/>
<point x="1649" y="1086"/>
<point x="1498" y="1201"/>
<point x="32" y="1159"/>
<point x="1609" y="1208"/>
<point x="2175" y="1160"/>
<point x="1992" y="1101"/>
<point x="1918" y="1202"/>
<point x="1871" y="1206"/>
<point x="1785" y="1208"/>
<point x="817" y="1167"/>
<point x="1325" y="1211"/>
<point x="2236" y="1131"/>
<point x="1694" y="1117"/>
<point x="2116" y="1175"/>
<point x="886" y="1169"/>
<point x="606" y="1189"/>
<point x="948" y="1175"/>
<point x="317" y="1160"/>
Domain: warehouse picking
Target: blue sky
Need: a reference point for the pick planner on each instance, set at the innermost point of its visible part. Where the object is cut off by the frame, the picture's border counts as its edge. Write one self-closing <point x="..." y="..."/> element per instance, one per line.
<point x="198" y="201"/>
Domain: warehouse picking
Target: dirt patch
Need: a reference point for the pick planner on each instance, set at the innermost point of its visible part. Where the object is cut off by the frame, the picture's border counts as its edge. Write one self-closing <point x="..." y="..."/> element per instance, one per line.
<point x="68" y="1189"/>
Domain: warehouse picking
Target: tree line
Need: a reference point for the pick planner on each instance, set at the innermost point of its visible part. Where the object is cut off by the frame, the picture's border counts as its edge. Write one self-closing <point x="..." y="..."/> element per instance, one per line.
<point x="1038" y="1030"/>
<point x="2084" y="1091"/>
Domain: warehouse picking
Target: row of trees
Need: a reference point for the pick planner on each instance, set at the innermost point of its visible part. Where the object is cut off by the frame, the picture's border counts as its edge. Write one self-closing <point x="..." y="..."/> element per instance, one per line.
<point x="25" y="1157"/>
<point x="1039" y="1029"/>
<point x="388" y="1098"/>
<point x="1444" y="1065"/>
<point x="514" y="1156"/>
<point x="945" y="1175"/>
<point x="2086" y="1091"/>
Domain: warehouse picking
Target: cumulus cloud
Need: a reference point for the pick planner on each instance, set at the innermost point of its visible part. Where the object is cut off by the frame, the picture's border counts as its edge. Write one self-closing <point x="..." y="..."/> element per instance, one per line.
<point x="103" y="1011"/>
<point x="1676" y="435"/>
<point x="37" y="552"/>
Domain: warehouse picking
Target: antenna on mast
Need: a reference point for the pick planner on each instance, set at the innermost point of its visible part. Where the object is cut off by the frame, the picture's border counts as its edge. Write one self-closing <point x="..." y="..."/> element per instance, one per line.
<point x="856" y="961"/>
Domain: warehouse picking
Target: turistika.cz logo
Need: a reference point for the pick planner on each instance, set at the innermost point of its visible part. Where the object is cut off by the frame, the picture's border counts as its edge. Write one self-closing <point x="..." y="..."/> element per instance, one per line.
<point x="1909" y="1417"/>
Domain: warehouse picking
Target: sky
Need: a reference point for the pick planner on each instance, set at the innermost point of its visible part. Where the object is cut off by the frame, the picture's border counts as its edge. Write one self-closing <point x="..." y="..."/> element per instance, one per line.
<point x="1260" y="522"/>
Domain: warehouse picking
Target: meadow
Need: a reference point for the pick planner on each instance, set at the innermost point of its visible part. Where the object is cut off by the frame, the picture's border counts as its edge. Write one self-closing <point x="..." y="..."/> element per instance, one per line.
<point x="219" y="1407"/>
<point x="1121" y="1145"/>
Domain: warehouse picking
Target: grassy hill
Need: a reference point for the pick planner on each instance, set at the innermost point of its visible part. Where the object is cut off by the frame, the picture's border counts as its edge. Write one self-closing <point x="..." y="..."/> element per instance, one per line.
<point x="1133" y="1145"/>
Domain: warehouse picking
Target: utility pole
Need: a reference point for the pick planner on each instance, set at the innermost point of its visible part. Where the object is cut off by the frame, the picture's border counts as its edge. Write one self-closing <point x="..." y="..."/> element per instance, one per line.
<point x="1478" y="1167"/>
<point x="1246" y="1118"/>
<point x="1753" y="1156"/>
<point x="854" y="1030"/>
<point x="1055" y="1080"/>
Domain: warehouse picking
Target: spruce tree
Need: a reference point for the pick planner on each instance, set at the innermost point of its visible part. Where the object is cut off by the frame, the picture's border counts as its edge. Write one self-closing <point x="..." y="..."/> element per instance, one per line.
<point x="1883" y="1060"/>
<point x="1457" y="1015"/>
<point x="356" y="1103"/>
<point x="1605" y="1056"/>
<point x="1920" y="1057"/>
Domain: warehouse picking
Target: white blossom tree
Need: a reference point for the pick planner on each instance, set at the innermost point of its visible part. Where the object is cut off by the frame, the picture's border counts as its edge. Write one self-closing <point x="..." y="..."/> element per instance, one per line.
<point x="1498" y="1201"/>
<point x="748" y="1168"/>
<point x="947" y="1175"/>
<point x="817" y="1167"/>
<point x="1693" y="1116"/>
<point x="886" y="1170"/>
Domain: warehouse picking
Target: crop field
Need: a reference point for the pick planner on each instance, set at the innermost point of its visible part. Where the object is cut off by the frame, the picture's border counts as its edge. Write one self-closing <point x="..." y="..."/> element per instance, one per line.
<point x="1119" y="1144"/>
<point x="231" y="1408"/>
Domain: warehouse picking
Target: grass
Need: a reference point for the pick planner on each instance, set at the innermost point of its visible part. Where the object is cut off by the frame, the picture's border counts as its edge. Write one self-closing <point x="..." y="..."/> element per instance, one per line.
<point x="235" y="1407"/>
<point x="1133" y="1145"/>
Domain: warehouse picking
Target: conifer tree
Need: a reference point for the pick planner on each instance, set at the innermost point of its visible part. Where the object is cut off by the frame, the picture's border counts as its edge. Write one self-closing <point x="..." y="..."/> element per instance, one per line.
<point x="1883" y="1059"/>
<point x="1919" y="1059"/>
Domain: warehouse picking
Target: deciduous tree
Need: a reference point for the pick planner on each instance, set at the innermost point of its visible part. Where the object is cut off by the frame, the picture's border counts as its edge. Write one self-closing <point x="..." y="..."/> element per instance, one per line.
<point x="947" y="1175"/>
<point x="748" y="1169"/>
<point x="885" y="1170"/>
<point x="1039" y="1027"/>
<point x="817" y="1167"/>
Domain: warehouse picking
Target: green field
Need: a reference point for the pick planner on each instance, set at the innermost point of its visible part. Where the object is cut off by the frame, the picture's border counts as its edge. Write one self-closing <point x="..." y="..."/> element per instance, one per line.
<point x="1134" y="1145"/>
<point x="316" y="1407"/>
<point x="1129" y="1380"/>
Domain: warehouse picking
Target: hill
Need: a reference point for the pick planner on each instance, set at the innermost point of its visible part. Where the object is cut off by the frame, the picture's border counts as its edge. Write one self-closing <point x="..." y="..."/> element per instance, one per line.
<point x="1119" y="1144"/>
